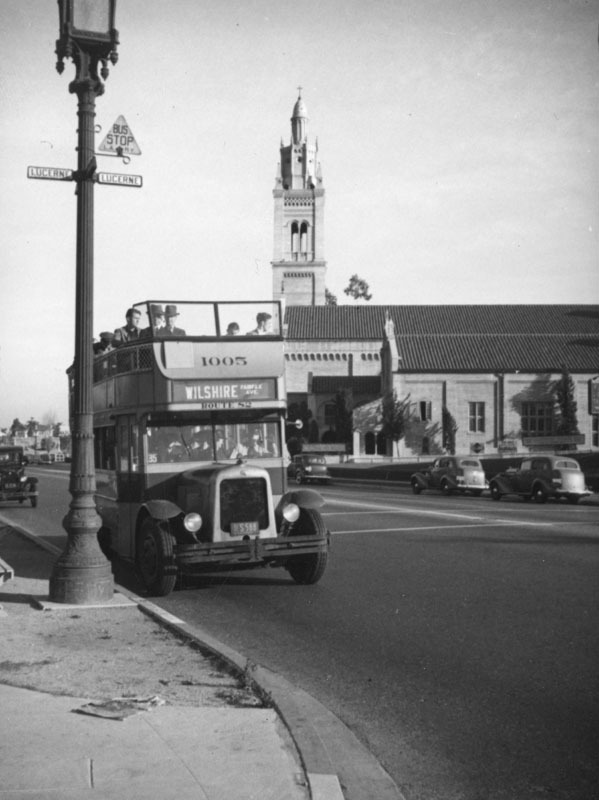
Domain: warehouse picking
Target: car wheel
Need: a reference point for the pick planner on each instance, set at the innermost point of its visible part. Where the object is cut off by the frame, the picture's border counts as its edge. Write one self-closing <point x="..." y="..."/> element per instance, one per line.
<point x="155" y="558"/>
<point x="539" y="494"/>
<point x="310" y="568"/>
<point x="445" y="488"/>
<point x="33" y="502"/>
<point x="573" y="499"/>
<point x="495" y="492"/>
<point x="298" y="478"/>
<point x="416" y="487"/>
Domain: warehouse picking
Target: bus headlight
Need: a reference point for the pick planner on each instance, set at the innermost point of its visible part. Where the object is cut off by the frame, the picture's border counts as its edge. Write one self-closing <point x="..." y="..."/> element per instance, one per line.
<point x="291" y="512"/>
<point x="192" y="522"/>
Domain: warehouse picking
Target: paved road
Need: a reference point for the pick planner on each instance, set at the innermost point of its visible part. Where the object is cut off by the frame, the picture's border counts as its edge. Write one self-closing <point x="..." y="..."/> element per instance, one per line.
<point x="457" y="637"/>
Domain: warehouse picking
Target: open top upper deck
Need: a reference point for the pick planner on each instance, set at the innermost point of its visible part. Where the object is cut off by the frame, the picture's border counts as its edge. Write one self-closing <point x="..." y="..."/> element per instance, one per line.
<point x="186" y="356"/>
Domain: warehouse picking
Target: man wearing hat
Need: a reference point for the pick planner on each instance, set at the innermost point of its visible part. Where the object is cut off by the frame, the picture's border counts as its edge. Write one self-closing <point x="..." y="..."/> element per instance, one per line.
<point x="105" y="345"/>
<point x="171" y="315"/>
<point x="157" y="322"/>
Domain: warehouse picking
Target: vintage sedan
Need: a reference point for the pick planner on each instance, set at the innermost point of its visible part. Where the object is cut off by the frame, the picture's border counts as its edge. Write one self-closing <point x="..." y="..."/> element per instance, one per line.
<point x="541" y="477"/>
<point x="308" y="467"/>
<point x="14" y="484"/>
<point x="452" y="474"/>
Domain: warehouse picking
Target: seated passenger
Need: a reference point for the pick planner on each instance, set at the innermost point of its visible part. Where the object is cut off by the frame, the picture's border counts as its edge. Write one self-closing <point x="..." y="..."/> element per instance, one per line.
<point x="129" y="332"/>
<point x="105" y="345"/>
<point x="257" y="447"/>
<point x="262" y="324"/>
<point x="157" y="322"/>
<point x="171" y="315"/>
<point x="219" y="445"/>
<point x="232" y="329"/>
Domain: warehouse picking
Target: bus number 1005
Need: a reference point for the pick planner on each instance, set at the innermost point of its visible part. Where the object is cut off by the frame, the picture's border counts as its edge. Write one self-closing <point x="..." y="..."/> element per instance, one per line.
<point x="225" y="361"/>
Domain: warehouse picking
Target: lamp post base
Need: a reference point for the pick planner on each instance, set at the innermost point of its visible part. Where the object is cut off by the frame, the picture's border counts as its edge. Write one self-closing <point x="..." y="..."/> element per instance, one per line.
<point x="82" y="575"/>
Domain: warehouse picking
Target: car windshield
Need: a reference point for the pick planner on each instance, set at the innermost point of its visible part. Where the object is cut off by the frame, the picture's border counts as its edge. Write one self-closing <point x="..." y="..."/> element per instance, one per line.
<point x="470" y="462"/>
<point x="315" y="460"/>
<point x="10" y="458"/>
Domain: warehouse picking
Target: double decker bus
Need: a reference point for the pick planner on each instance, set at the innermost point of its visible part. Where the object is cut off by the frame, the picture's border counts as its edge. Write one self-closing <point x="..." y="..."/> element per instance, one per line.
<point x="189" y="447"/>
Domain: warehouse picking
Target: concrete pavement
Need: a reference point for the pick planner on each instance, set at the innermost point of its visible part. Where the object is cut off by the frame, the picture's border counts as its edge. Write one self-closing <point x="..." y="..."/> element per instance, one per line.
<point x="265" y="740"/>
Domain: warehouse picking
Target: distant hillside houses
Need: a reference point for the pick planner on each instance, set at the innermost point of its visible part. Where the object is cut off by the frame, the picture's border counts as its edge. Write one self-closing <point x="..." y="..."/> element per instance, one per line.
<point x="492" y="370"/>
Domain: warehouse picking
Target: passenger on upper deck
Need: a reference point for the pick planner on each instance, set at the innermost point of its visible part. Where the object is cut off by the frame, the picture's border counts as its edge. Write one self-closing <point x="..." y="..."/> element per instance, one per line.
<point x="262" y="324"/>
<point x="105" y="345"/>
<point x="129" y="332"/>
<point x="157" y="322"/>
<point x="232" y="329"/>
<point x="171" y="314"/>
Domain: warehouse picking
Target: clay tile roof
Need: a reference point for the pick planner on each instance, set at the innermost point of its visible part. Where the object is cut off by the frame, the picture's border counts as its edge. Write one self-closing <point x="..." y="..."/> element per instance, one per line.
<point x="469" y="338"/>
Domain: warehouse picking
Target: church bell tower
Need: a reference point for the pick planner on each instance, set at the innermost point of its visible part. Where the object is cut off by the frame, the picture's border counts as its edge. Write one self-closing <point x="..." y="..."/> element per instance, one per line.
<point x="298" y="266"/>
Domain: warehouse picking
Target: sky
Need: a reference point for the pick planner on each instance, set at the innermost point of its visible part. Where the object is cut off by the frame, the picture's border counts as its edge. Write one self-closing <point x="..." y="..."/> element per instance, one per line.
<point x="458" y="140"/>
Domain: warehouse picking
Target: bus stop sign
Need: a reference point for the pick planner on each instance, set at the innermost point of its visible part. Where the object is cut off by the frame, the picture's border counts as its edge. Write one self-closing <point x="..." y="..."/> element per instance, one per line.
<point x="120" y="140"/>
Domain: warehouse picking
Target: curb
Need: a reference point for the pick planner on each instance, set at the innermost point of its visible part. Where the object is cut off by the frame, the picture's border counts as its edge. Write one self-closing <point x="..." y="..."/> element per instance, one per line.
<point x="326" y="746"/>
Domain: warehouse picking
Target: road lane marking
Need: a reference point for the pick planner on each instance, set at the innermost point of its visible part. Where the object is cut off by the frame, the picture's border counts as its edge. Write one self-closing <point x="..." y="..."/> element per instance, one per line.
<point x="400" y="510"/>
<point x="496" y="524"/>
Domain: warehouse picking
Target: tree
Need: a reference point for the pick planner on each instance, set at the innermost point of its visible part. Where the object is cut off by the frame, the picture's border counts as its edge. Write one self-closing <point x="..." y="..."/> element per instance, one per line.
<point x="395" y="415"/>
<point x="450" y="429"/>
<point x="357" y="288"/>
<point x="32" y="426"/>
<point x="567" y="422"/>
<point x="17" y="427"/>
<point x="344" y="404"/>
<point x="330" y="299"/>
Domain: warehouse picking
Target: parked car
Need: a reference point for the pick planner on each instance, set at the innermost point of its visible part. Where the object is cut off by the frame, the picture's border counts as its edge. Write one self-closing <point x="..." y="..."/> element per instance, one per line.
<point x="541" y="477"/>
<point x="307" y="467"/>
<point x="14" y="484"/>
<point x="452" y="474"/>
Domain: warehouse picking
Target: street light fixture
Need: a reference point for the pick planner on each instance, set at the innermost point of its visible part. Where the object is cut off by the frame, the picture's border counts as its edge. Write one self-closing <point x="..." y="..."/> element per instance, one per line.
<point x="82" y="575"/>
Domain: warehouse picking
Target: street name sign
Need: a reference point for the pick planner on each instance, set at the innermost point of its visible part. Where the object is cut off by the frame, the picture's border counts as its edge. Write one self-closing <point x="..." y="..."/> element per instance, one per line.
<point x="50" y="173"/>
<point x="120" y="140"/>
<point x="120" y="179"/>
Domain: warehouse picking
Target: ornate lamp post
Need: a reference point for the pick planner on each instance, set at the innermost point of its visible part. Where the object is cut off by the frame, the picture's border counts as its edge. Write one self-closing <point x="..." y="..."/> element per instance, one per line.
<point x="82" y="575"/>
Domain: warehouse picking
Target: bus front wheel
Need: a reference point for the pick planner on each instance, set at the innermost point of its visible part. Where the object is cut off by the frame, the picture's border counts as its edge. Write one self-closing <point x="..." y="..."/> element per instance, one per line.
<point x="308" y="568"/>
<point x="155" y="558"/>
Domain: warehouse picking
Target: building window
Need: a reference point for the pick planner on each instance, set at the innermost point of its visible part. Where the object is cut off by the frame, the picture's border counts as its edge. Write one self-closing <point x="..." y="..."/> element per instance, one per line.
<point x="476" y="417"/>
<point x="595" y="430"/>
<point x="537" y="419"/>
<point x="425" y="410"/>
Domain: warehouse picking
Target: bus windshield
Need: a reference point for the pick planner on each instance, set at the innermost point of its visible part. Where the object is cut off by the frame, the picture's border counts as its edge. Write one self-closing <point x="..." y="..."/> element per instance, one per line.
<point x="168" y="444"/>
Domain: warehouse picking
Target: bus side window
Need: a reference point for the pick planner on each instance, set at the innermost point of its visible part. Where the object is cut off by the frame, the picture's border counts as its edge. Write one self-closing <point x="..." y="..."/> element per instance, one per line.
<point x="105" y="448"/>
<point x="123" y="448"/>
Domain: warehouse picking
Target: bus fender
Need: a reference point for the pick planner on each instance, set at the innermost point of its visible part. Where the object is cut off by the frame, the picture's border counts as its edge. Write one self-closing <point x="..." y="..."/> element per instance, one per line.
<point x="304" y="498"/>
<point x="162" y="509"/>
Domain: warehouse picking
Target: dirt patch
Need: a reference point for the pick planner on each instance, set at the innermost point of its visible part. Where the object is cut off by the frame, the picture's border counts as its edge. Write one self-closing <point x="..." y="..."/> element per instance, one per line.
<point x="107" y="653"/>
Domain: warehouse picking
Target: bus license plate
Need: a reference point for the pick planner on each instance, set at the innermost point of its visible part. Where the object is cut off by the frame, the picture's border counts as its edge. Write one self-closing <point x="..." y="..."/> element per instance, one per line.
<point x="244" y="528"/>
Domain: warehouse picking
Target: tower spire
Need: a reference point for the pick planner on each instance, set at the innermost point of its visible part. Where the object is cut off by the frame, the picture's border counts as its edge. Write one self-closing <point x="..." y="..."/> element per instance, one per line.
<point x="298" y="265"/>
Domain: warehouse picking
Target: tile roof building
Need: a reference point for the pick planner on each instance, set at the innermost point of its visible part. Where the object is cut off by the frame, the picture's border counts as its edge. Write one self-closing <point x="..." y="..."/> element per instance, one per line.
<point x="492" y="368"/>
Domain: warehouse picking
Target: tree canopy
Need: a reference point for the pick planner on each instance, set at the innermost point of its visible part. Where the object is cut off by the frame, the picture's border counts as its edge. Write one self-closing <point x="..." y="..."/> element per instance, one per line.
<point x="358" y="288"/>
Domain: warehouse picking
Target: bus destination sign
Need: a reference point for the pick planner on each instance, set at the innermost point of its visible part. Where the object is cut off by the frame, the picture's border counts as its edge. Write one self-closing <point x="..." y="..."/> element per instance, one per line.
<point x="224" y="393"/>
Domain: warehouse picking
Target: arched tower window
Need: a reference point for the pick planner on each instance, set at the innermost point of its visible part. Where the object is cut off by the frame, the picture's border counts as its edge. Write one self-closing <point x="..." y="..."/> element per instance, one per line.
<point x="304" y="238"/>
<point x="294" y="238"/>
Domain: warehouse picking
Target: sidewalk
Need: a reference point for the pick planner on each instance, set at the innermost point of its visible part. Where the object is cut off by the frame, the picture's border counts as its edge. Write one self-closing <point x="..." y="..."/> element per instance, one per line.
<point x="192" y="718"/>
